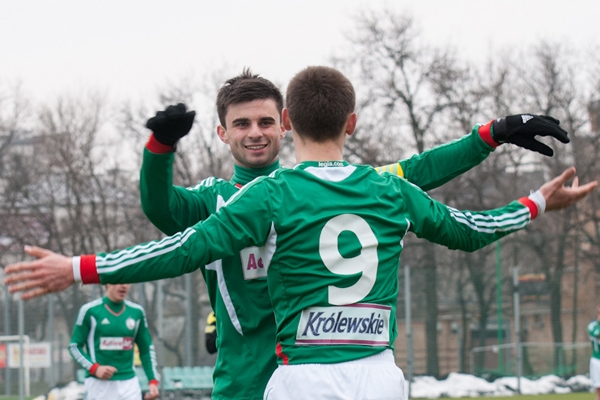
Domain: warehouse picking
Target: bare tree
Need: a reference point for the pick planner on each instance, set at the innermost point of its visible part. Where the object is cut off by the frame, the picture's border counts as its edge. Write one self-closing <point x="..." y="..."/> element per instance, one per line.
<point x="550" y="84"/>
<point x="406" y="92"/>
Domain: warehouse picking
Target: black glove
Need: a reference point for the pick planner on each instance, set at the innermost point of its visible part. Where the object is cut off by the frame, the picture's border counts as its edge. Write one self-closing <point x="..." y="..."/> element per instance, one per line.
<point x="521" y="130"/>
<point x="172" y="124"/>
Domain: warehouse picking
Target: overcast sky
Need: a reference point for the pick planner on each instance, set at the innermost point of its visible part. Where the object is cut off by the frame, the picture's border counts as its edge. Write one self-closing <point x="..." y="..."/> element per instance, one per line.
<point x="127" y="48"/>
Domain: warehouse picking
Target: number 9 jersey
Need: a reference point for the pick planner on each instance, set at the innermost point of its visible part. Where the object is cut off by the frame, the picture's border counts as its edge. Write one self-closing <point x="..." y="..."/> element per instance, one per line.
<point x="333" y="234"/>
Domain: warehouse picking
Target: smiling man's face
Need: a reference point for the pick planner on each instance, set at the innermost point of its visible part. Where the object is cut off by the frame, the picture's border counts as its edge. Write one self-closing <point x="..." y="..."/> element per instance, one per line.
<point x="254" y="132"/>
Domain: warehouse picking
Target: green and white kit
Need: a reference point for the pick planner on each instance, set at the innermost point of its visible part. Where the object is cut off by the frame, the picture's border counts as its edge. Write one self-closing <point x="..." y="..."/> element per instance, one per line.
<point x="105" y="333"/>
<point x="237" y="284"/>
<point x="331" y="234"/>
<point x="593" y="330"/>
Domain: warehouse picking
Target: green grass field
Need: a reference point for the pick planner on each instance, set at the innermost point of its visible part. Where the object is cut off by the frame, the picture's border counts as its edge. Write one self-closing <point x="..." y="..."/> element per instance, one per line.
<point x="15" y="397"/>
<point x="569" y="396"/>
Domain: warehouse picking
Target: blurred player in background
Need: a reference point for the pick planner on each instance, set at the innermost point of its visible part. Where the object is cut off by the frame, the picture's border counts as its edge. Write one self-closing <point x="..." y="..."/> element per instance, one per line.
<point x="103" y="344"/>
<point x="593" y="329"/>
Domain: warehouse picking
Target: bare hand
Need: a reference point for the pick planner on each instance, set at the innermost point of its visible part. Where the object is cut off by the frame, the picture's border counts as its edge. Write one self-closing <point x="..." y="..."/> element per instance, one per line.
<point x="559" y="196"/>
<point x="152" y="392"/>
<point x="105" y="372"/>
<point x="51" y="272"/>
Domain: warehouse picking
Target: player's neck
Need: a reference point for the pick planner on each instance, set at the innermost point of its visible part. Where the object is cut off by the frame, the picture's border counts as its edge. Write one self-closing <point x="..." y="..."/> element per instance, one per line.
<point x="243" y="175"/>
<point x="313" y="151"/>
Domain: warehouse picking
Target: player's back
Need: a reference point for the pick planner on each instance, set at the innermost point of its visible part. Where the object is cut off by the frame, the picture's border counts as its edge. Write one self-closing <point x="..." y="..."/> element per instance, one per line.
<point x="333" y="279"/>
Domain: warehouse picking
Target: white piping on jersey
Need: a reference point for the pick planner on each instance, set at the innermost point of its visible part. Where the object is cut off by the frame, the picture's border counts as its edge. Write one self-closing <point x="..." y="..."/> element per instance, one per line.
<point x="90" y="339"/>
<point x="151" y="349"/>
<point x="331" y="174"/>
<point x="217" y="266"/>
<point x="205" y="182"/>
<point x="78" y="357"/>
<point x="154" y="362"/>
<point x="84" y="309"/>
<point x="270" y="246"/>
<point x="73" y="349"/>
<point x="124" y="258"/>
<point x="137" y="327"/>
<point x="490" y="223"/>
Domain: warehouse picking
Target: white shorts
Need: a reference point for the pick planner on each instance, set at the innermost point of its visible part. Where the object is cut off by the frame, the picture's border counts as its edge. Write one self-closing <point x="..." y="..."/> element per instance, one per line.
<point x="595" y="372"/>
<point x="371" y="378"/>
<point x="101" y="389"/>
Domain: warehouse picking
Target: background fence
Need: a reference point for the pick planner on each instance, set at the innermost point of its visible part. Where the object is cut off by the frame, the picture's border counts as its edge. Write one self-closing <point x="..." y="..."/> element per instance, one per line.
<point x="537" y="359"/>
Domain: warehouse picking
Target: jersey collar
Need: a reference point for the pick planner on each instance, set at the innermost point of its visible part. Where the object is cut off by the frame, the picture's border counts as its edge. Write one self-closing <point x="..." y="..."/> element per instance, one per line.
<point x="114" y="308"/>
<point x="322" y="164"/>
<point x="242" y="175"/>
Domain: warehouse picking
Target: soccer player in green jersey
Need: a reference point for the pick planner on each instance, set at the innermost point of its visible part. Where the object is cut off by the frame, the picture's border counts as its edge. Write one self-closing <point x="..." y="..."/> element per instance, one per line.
<point x="102" y="344"/>
<point x="593" y="330"/>
<point x="249" y="109"/>
<point x="332" y="233"/>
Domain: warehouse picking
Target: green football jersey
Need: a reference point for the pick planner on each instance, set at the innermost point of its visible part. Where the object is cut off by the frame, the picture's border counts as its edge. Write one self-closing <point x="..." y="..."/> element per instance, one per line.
<point x="593" y="329"/>
<point x="105" y="333"/>
<point x="237" y="285"/>
<point x="331" y="234"/>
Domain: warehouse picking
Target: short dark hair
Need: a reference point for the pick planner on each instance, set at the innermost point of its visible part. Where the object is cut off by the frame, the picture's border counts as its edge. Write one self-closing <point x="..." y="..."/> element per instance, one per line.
<point x="319" y="100"/>
<point x="246" y="87"/>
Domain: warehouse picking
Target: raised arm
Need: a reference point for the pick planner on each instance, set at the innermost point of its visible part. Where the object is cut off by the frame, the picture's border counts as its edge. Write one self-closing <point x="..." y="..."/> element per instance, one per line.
<point x="436" y="166"/>
<point x="170" y="208"/>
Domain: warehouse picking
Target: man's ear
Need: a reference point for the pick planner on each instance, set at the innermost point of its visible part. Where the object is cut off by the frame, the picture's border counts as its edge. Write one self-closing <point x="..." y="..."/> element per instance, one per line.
<point x="222" y="132"/>
<point x="351" y="123"/>
<point x="285" y="120"/>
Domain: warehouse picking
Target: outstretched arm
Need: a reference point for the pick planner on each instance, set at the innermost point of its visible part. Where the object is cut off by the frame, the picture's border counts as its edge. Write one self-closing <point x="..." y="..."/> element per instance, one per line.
<point x="53" y="272"/>
<point x="436" y="166"/>
<point x="221" y="235"/>
<point x="471" y="230"/>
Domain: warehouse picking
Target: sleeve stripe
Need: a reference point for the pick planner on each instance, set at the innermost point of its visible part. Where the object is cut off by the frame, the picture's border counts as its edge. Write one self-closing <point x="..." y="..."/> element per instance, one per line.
<point x="133" y="255"/>
<point x="491" y="224"/>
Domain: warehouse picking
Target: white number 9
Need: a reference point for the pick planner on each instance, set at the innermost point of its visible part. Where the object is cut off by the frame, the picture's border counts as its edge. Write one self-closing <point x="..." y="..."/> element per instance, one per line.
<point x="366" y="262"/>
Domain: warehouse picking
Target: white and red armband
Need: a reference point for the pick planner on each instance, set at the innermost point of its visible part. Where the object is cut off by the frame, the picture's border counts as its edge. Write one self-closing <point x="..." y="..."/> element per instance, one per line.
<point x="84" y="269"/>
<point x="535" y="202"/>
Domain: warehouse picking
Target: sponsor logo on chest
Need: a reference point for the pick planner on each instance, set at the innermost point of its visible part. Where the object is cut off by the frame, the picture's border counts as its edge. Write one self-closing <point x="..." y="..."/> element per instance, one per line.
<point x="254" y="264"/>
<point x="358" y="324"/>
<point x="116" y="343"/>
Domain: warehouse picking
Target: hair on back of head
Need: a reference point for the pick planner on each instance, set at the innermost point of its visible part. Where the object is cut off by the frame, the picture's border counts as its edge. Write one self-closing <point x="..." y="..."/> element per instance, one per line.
<point x="319" y="100"/>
